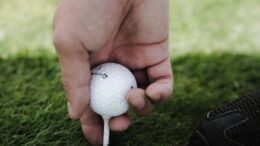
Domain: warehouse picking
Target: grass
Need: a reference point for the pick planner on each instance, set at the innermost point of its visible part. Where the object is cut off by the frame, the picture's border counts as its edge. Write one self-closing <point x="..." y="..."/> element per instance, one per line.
<point x="215" y="56"/>
<point x="33" y="107"/>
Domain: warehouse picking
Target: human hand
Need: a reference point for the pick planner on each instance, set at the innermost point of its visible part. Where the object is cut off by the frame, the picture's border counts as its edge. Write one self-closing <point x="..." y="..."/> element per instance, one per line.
<point x="133" y="33"/>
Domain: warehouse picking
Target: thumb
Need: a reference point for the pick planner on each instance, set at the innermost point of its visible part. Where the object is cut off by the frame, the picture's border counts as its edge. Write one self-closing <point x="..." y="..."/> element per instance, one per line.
<point x="75" y="70"/>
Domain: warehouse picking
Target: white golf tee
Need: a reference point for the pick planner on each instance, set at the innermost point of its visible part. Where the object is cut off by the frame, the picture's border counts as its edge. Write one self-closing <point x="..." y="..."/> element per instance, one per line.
<point x="106" y="131"/>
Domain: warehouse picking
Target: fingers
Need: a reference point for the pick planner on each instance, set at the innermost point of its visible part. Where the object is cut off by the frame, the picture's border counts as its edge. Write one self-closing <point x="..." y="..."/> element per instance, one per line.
<point x="160" y="89"/>
<point x="75" y="72"/>
<point x="139" y="101"/>
<point x="162" y="82"/>
<point x="92" y="127"/>
<point x="119" y="123"/>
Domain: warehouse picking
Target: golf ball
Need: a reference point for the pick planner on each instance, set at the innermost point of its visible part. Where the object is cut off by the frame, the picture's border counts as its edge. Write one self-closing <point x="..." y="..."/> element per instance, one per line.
<point x="109" y="85"/>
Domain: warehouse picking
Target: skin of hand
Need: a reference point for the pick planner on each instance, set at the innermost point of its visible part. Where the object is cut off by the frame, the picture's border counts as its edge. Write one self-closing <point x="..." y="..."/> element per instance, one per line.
<point x="133" y="33"/>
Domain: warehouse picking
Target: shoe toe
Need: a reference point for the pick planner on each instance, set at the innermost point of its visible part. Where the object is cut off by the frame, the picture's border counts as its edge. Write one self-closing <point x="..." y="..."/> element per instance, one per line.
<point x="198" y="139"/>
<point x="211" y="131"/>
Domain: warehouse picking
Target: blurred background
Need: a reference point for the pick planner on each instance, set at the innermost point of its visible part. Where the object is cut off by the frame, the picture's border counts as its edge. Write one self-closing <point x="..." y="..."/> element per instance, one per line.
<point x="215" y="53"/>
<point x="195" y="26"/>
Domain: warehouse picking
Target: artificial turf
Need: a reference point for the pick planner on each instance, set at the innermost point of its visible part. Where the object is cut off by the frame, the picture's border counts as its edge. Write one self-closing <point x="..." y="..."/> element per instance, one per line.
<point x="33" y="106"/>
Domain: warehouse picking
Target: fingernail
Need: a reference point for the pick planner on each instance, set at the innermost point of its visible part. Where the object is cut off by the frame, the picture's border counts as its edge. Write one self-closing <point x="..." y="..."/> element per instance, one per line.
<point x="70" y="110"/>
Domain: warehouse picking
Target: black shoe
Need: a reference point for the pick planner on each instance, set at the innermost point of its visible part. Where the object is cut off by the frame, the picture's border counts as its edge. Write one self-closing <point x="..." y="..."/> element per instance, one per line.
<point x="236" y="124"/>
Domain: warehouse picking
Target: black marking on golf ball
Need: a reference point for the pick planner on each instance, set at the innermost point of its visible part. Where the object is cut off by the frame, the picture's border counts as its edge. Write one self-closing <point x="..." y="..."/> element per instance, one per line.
<point x="99" y="67"/>
<point x="105" y="75"/>
<point x="132" y="87"/>
<point x="100" y="74"/>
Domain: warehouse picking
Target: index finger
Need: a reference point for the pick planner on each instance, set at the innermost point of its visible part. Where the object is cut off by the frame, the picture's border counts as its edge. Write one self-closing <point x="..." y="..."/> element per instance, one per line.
<point x="75" y="70"/>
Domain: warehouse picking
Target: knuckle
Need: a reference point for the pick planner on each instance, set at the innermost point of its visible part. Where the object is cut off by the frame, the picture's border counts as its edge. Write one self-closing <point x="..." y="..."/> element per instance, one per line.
<point x="73" y="90"/>
<point x="62" y="40"/>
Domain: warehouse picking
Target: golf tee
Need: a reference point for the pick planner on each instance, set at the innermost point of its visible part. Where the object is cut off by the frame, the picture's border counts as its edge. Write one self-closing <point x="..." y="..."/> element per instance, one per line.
<point x="106" y="131"/>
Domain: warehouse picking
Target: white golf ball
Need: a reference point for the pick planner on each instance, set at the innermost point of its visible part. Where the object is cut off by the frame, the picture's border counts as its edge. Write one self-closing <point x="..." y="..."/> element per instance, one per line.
<point x="109" y="85"/>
